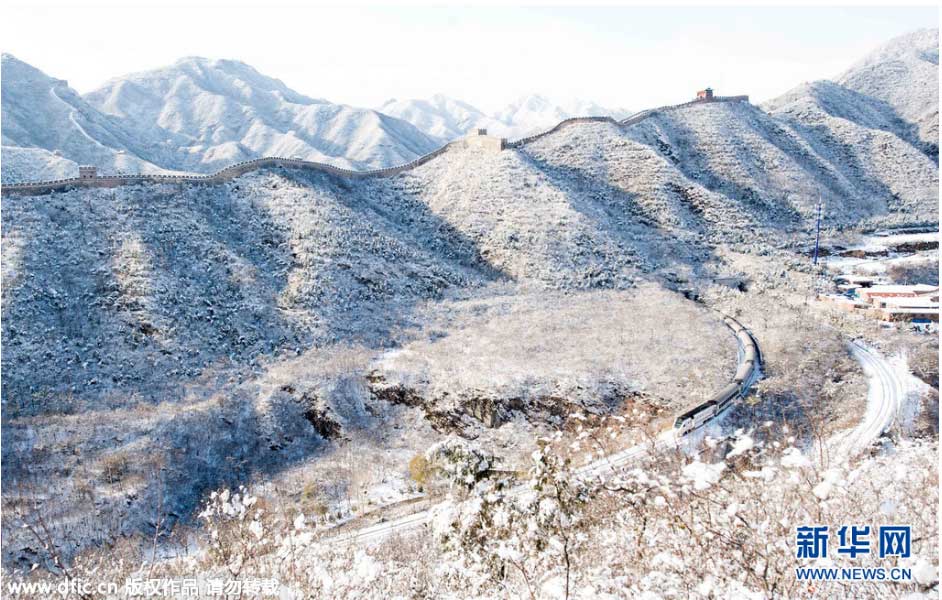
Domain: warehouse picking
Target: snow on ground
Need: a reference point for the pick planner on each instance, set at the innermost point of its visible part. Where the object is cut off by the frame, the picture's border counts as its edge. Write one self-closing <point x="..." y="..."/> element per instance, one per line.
<point x="881" y="247"/>
<point x="878" y="266"/>
<point x="588" y="347"/>
<point x="30" y="164"/>
<point x="893" y="397"/>
<point x="913" y="390"/>
<point x="892" y="239"/>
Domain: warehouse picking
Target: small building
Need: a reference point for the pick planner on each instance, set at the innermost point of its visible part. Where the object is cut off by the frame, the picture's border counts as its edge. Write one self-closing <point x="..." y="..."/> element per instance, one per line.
<point x="873" y="294"/>
<point x="706" y="94"/>
<point x="842" y="302"/>
<point x="899" y="302"/>
<point x="478" y="138"/>
<point x="848" y="288"/>
<point x="888" y="302"/>
<point x="86" y="172"/>
<point x="905" y="302"/>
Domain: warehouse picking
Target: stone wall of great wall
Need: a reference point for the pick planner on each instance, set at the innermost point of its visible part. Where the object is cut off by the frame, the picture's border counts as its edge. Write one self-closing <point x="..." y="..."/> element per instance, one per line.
<point x="237" y="169"/>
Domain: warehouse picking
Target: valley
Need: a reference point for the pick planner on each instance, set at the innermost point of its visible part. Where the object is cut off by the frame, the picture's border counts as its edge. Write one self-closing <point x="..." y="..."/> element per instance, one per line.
<point x="246" y="346"/>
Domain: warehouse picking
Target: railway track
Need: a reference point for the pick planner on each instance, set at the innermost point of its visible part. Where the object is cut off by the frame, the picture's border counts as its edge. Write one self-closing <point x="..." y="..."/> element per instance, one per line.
<point x="885" y="396"/>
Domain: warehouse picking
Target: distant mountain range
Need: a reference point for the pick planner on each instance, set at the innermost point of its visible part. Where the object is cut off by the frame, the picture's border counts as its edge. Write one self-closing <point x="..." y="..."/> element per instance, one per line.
<point x="204" y="114"/>
<point x="199" y="115"/>
<point x="196" y="115"/>
<point x="446" y="118"/>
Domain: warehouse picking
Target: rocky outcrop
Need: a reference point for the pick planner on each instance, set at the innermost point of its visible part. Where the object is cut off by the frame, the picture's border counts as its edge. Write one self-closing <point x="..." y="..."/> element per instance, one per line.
<point x="455" y="414"/>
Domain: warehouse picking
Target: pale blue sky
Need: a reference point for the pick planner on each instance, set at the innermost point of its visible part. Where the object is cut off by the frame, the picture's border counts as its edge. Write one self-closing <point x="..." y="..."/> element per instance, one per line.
<point x="634" y="57"/>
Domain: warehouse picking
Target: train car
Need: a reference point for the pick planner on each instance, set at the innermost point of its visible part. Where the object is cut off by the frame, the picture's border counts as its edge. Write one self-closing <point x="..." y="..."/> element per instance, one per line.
<point x="725" y="396"/>
<point x="743" y="372"/>
<point x="696" y="416"/>
<point x="707" y="411"/>
<point x="685" y="421"/>
<point x="749" y="355"/>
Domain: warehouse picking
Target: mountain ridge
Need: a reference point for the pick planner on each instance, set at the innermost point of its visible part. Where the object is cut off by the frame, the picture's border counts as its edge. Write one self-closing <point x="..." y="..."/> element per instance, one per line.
<point x="448" y="118"/>
<point x="238" y="115"/>
<point x="893" y="88"/>
<point x="195" y="116"/>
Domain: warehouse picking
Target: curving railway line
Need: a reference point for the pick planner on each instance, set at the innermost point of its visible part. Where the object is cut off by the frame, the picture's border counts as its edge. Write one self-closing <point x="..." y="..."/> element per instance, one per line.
<point x="885" y="396"/>
<point x="747" y="373"/>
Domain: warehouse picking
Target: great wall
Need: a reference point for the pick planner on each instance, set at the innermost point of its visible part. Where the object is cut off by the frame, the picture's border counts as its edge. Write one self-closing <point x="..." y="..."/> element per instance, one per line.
<point x="88" y="177"/>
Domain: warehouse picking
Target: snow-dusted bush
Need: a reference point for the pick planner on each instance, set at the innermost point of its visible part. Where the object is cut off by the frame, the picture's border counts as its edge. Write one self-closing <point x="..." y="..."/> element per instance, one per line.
<point x="529" y="530"/>
<point x="460" y="462"/>
<point x="234" y="523"/>
<point x="711" y="527"/>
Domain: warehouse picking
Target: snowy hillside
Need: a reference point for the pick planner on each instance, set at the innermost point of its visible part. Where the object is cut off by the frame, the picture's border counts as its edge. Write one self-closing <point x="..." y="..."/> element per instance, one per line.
<point x="777" y="167"/>
<point x="212" y="273"/>
<point x="591" y="206"/>
<point x="43" y="113"/>
<point x="446" y="119"/>
<point x="205" y="114"/>
<point x="904" y="73"/>
<point x="25" y="164"/>
<point x="293" y="257"/>
<point x="894" y="90"/>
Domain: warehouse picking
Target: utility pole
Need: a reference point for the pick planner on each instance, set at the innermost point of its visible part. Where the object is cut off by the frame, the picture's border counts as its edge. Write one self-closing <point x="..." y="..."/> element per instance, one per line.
<point x="817" y="233"/>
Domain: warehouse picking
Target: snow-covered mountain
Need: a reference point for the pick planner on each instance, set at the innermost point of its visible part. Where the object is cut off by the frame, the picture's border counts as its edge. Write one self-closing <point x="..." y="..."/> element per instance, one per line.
<point x="35" y="164"/>
<point x="446" y="118"/>
<point x="48" y="128"/>
<point x="904" y="73"/>
<point x="199" y="115"/>
<point x="209" y="113"/>
<point x="894" y="90"/>
<point x="534" y="113"/>
<point x="196" y="115"/>
<point x="441" y="117"/>
<point x="261" y="307"/>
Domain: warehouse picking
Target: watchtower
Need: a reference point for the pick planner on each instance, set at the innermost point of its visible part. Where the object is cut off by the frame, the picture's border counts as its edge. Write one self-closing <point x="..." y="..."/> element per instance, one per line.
<point x="87" y="172"/>
<point x="706" y="94"/>
<point x="478" y="138"/>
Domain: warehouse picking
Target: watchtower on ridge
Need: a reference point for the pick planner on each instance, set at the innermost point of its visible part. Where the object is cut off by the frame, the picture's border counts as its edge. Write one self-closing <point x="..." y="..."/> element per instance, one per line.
<point x="706" y="94"/>
<point x="478" y="138"/>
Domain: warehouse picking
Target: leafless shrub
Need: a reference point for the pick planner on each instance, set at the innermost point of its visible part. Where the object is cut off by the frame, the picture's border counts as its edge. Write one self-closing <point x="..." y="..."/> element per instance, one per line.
<point x="114" y="467"/>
